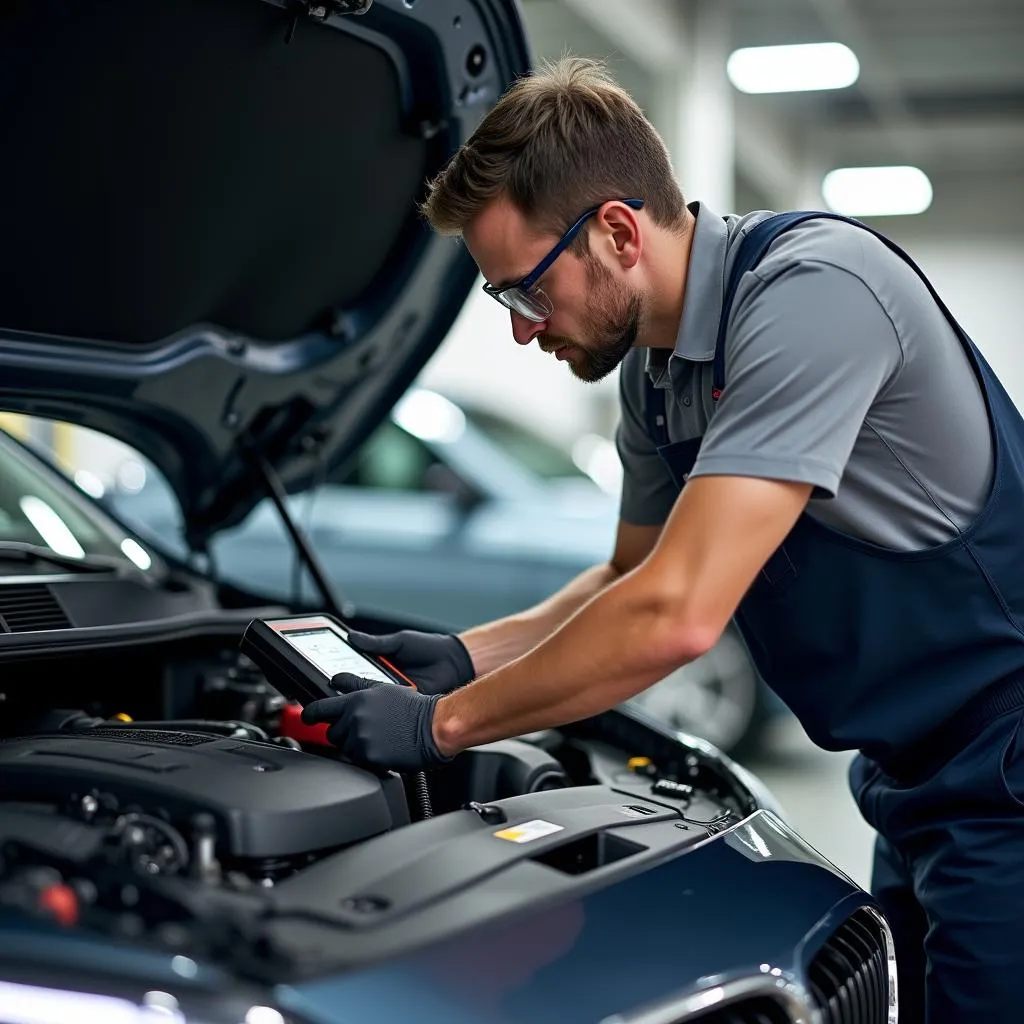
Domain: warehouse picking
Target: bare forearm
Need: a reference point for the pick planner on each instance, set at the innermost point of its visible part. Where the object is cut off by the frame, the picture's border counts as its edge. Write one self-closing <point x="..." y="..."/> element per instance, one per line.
<point x="668" y="610"/>
<point x="619" y="643"/>
<point x="497" y="643"/>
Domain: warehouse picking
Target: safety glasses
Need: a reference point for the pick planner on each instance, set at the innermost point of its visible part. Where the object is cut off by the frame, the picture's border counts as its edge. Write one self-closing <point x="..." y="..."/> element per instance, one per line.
<point x="523" y="296"/>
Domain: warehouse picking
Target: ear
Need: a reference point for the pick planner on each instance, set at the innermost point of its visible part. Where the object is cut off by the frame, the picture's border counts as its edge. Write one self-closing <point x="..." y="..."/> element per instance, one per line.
<point x="618" y="231"/>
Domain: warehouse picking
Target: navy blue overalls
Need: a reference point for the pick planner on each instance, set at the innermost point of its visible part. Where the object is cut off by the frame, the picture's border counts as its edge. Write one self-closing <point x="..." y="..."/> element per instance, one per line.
<point x="915" y="659"/>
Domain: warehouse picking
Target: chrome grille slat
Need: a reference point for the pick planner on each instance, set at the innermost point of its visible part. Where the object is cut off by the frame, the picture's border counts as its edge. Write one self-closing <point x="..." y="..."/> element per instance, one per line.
<point x="849" y="975"/>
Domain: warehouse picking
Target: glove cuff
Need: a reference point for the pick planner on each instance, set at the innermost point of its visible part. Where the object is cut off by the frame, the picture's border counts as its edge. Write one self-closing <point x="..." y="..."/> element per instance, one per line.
<point x="427" y="744"/>
<point x="463" y="662"/>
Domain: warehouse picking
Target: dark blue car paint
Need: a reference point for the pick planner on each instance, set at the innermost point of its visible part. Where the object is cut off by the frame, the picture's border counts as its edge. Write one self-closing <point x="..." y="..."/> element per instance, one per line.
<point x="718" y="911"/>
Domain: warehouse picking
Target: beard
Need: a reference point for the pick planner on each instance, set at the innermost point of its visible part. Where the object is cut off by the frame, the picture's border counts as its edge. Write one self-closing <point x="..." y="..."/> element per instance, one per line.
<point x="611" y="329"/>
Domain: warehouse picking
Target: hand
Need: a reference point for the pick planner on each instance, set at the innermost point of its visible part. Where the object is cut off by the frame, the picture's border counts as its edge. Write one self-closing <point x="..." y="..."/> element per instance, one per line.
<point x="435" y="662"/>
<point x="383" y="724"/>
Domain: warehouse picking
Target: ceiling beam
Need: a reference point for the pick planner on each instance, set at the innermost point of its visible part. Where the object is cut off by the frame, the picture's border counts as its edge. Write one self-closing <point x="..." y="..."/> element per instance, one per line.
<point x="877" y="82"/>
<point x="655" y="35"/>
<point x="772" y="166"/>
<point x="954" y="141"/>
<point x="648" y="32"/>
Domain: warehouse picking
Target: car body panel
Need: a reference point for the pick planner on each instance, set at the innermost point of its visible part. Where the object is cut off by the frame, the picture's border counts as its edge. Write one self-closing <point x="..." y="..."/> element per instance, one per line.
<point x="215" y="312"/>
<point x="752" y="904"/>
<point x="617" y="949"/>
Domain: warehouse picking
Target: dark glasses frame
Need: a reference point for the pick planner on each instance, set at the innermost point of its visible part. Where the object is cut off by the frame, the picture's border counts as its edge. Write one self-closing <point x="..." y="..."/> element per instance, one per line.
<point x="519" y="296"/>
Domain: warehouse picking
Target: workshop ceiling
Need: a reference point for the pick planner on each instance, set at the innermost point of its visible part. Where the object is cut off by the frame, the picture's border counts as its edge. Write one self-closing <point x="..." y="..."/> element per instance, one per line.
<point x="941" y="82"/>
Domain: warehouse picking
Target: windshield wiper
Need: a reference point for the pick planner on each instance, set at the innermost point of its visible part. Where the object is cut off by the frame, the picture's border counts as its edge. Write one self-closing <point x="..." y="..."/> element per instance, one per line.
<point x="21" y="551"/>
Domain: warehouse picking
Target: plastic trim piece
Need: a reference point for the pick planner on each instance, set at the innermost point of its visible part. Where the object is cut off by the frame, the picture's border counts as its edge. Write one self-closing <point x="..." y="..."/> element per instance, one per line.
<point x="229" y="624"/>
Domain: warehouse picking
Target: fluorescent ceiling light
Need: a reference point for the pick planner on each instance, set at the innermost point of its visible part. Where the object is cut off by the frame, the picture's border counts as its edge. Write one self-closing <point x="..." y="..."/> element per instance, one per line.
<point x="49" y="525"/>
<point x="798" y="68"/>
<point x="90" y="483"/>
<point x="877" y="191"/>
<point x="137" y="553"/>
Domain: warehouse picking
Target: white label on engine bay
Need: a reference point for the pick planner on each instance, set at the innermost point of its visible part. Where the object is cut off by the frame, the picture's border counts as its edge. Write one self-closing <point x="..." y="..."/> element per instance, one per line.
<point x="529" y="830"/>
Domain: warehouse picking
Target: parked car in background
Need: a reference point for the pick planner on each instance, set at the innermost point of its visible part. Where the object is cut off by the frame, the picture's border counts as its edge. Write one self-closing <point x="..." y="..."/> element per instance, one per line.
<point x="454" y="514"/>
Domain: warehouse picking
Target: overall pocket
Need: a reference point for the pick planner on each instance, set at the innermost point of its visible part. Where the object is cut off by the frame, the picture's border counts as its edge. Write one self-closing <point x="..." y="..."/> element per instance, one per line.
<point x="776" y="577"/>
<point x="779" y="569"/>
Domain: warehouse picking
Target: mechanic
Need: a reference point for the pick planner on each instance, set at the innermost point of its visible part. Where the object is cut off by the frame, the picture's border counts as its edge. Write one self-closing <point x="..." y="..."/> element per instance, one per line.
<point x="821" y="454"/>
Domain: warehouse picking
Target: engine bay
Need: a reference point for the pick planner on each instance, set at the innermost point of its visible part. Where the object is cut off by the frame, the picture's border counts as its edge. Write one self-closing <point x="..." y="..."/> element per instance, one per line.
<point x="159" y="790"/>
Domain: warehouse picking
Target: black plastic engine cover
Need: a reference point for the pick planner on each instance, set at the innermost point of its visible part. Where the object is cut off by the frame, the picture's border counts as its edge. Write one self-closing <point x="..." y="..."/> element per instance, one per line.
<point x="267" y="801"/>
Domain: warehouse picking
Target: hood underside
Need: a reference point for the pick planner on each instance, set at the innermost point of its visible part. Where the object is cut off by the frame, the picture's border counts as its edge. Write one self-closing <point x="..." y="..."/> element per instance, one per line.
<point x="211" y="247"/>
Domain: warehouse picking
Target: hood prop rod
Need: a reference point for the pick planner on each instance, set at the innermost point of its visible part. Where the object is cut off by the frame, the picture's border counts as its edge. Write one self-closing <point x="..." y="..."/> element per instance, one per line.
<point x="303" y="547"/>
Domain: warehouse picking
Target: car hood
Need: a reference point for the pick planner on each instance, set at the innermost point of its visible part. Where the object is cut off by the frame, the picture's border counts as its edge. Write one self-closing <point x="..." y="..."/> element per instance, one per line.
<point x="211" y="243"/>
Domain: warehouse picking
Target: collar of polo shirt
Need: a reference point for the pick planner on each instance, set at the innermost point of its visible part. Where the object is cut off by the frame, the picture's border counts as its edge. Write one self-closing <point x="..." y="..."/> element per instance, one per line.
<point x="702" y="305"/>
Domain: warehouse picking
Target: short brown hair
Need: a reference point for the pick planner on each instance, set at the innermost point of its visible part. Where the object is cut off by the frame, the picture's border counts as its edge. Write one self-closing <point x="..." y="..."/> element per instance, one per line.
<point x="560" y="141"/>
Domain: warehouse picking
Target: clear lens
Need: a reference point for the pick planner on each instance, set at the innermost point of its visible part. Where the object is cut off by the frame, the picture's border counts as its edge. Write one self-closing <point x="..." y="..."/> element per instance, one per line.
<point x="534" y="305"/>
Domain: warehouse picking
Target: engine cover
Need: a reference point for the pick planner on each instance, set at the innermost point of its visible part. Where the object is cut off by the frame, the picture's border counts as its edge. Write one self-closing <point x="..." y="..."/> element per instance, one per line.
<point x="267" y="801"/>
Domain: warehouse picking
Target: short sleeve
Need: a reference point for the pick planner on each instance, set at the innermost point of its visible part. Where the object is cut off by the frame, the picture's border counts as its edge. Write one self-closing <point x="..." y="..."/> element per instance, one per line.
<point x="808" y="355"/>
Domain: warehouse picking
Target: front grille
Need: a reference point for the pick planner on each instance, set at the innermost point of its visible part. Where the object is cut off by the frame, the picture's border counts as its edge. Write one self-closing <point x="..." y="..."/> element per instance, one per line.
<point x="27" y="607"/>
<point x="164" y="738"/>
<point x="849" y="977"/>
<point x="748" y="1011"/>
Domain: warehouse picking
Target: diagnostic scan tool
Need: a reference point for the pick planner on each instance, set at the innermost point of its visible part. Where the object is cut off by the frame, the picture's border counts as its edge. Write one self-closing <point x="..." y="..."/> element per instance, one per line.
<point x="300" y="655"/>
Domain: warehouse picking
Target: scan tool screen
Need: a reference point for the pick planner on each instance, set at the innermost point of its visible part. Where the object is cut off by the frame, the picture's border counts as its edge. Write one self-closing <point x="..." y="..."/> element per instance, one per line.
<point x="331" y="654"/>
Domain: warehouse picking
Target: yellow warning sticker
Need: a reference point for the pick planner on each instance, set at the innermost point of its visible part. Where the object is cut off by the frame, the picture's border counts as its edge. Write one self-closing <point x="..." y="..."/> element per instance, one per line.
<point x="529" y="830"/>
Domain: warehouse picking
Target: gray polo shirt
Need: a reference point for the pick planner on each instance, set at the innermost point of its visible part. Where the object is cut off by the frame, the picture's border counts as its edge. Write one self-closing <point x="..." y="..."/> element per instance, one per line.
<point x="840" y="371"/>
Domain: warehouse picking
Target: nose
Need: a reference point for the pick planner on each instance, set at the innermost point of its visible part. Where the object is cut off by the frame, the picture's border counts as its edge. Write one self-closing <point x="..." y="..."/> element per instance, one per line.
<point x="524" y="330"/>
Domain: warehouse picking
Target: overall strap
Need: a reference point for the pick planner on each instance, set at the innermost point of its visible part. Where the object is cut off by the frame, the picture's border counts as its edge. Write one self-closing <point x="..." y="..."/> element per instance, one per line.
<point x="753" y="247"/>
<point x="750" y="252"/>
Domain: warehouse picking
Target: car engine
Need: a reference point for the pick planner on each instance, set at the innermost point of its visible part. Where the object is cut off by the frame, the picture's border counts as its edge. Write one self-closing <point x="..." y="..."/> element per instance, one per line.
<point x="183" y="804"/>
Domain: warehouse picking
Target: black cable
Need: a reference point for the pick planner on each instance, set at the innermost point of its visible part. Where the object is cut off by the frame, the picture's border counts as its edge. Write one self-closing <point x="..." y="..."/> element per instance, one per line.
<point x="422" y="791"/>
<point x="297" y="566"/>
<point x="312" y="494"/>
<point x="278" y="496"/>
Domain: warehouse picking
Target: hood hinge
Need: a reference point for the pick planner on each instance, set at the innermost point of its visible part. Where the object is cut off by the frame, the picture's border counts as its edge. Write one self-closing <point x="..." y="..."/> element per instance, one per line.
<point x="321" y="10"/>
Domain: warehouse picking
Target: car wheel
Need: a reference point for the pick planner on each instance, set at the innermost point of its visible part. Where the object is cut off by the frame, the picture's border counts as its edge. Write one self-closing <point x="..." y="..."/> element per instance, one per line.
<point x="718" y="697"/>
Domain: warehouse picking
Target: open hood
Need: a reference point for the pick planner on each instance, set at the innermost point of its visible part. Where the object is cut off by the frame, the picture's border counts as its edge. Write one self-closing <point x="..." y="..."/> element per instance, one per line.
<point x="209" y="239"/>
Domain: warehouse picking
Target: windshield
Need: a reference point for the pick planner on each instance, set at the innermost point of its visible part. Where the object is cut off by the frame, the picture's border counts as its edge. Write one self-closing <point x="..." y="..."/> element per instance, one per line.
<point x="39" y="507"/>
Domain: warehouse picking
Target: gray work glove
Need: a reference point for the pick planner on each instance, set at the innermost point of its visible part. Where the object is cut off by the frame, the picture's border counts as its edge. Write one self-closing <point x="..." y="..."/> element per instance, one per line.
<point x="436" y="662"/>
<point x="388" y="725"/>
